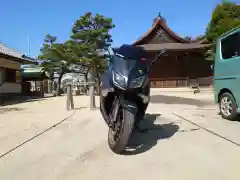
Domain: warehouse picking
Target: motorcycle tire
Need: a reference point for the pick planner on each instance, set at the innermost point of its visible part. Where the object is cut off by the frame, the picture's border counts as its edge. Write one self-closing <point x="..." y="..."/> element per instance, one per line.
<point x="127" y="126"/>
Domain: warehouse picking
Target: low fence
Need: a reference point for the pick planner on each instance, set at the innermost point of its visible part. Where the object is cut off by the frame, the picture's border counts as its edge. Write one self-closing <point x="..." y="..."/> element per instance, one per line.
<point x="205" y="81"/>
<point x="180" y="82"/>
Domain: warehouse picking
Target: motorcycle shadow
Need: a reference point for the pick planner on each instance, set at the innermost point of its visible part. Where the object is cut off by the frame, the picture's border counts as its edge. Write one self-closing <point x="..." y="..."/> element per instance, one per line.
<point x="142" y="142"/>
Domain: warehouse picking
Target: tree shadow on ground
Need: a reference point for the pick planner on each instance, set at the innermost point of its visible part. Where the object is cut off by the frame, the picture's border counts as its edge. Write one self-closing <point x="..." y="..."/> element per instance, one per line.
<point x="20" y="99"/>
<point x="163" y="99"/>
<point x="142" y="142"/>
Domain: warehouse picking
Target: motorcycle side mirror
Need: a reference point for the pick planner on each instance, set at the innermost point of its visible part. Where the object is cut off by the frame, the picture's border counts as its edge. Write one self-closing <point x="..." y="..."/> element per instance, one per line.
<point x="119" y="55"/>
<point x="156" y="58"/>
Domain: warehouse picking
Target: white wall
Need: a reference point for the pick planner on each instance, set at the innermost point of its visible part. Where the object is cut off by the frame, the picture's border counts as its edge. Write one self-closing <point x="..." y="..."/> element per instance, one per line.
<point x="7" y="87"/>
<point x="10" y="88"/>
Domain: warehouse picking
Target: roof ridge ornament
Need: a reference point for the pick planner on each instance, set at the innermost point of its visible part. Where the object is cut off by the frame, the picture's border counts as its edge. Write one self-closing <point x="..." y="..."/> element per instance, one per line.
<point x="159" y="14"/>
<point x="161" y="17"/>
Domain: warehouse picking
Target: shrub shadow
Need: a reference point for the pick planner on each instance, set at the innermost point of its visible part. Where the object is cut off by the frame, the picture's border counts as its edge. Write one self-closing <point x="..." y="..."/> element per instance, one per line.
<point x="5" y="110"/>
<point x="142" y="142"/>
<point x="20" y="99"/>
<point x="80" y="108"/>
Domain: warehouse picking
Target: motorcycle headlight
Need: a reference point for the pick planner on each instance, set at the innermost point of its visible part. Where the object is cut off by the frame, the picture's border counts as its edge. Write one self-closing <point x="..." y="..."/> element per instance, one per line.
<point x="118" y="80"/>
<point x="135" y="83"/>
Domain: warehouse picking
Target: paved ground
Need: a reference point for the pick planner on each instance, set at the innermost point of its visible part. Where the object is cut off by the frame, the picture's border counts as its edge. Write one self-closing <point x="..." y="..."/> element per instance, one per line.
<point x="73" y="145"/>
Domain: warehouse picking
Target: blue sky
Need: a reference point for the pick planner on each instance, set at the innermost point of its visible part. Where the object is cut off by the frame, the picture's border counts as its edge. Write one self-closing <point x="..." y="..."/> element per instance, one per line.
<point x="27" y="18"/>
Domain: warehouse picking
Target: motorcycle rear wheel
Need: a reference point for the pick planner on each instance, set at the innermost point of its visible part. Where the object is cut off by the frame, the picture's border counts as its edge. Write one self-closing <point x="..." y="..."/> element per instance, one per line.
<point x="118" y="141"/>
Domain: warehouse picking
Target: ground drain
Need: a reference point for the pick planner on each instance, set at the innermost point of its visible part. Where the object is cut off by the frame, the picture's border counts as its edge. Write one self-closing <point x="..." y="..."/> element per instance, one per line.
<point x="211" y="132"/>
<point x="37" y="135"/>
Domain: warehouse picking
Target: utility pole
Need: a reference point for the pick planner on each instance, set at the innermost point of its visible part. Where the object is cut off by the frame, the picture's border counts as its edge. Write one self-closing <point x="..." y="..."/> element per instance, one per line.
<point x="28" y="46"/>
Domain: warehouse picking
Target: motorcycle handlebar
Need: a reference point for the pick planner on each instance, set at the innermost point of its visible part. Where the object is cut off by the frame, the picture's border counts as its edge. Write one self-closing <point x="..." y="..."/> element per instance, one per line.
<point x="156" y="58"/>
<point x="160" y="53"/>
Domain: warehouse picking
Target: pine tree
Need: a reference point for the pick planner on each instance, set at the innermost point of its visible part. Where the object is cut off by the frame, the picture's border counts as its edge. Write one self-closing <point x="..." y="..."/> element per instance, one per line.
<point x="90" y="37"/>
<point x="225" y="17"/>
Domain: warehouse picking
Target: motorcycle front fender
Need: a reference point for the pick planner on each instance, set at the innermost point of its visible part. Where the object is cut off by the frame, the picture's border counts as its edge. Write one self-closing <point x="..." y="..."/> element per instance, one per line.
<point x="105" y="86"/>
<point x="130" y="106"/>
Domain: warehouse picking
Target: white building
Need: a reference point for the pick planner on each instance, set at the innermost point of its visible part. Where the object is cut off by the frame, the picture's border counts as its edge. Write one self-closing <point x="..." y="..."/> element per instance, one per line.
<point x="10" y="67"/>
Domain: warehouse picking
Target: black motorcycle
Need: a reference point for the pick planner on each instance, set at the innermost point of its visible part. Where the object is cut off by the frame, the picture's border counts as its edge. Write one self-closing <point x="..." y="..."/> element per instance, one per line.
<point x="125" y="93"/>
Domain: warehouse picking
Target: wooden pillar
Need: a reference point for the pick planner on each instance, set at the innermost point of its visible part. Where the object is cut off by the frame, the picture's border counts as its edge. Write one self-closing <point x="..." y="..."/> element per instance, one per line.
<point x="35" y="84"/>
<point x="70" y="104"/>
<point x="41" y="89"/>
<point x="53" y="86"/>
<point x="187" y="69"/>
<point x="49" y="86"/>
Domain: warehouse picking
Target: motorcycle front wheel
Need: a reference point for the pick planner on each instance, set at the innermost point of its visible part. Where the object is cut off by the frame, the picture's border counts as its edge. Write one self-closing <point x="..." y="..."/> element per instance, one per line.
<point x="120" y="132"/>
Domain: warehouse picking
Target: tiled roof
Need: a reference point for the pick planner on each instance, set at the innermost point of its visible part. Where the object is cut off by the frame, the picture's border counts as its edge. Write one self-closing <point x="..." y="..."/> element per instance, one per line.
<point x="11" y="52"/>
<point x="173" y="46"/>
<point x="160" y="23"/>
<point x="16" y="54"/>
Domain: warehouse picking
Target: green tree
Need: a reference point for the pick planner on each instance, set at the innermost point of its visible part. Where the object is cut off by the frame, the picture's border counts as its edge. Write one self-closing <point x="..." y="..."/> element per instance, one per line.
<point x="200" y="37"/>
<point x="225" y="17"/>
<point x="90" y="37"/>
<point x="188" y="38"/>
<point x="57" y="58"/>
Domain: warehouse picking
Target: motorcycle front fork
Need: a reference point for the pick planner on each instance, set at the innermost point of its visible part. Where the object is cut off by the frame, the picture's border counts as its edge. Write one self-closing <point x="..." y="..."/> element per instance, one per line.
<point x="115" y="109"/>
<point x="114" y="112"/>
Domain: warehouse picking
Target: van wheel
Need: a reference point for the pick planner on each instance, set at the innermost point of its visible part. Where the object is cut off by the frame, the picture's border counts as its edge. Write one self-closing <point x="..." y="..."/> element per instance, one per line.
<point x="228" y="106"/>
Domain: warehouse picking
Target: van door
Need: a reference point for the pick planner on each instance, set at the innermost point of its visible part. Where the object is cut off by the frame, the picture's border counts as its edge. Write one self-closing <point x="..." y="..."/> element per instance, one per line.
<point x="228" y="67"/>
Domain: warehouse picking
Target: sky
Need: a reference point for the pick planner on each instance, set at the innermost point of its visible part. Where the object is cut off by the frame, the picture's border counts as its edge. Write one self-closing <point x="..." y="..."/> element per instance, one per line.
<point x="28" y="19"/>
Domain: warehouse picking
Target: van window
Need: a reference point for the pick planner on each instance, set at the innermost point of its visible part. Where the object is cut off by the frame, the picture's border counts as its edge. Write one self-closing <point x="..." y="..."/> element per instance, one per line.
<point x="230" y="46"/>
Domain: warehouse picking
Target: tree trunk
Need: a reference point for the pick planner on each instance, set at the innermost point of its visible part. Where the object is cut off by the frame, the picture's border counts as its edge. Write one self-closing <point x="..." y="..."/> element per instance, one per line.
<point x="58" y="91"/>
<point x="86" y="81"/>
<point x="96" y="79"/>
<point x="98" y="84"/>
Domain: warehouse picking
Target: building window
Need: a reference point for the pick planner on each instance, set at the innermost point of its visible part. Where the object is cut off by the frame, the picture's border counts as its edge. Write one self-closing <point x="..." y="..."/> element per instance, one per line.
<point x="10" y="75"/>
<point x="230" y="46"/>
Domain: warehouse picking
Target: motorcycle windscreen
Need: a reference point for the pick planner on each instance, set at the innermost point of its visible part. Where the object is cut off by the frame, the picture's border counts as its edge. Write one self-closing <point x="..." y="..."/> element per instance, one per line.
<point x="130" y="52"/>
<point x="130" y="67"/>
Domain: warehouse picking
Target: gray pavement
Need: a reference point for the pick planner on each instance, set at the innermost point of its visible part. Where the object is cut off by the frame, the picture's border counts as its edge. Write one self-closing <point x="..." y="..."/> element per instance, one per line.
<point x="76" y="148"/>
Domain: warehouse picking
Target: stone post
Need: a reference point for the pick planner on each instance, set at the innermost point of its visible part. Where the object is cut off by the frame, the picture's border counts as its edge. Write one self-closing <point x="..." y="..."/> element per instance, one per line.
<point x="70" y="104"/>
<point x="49" y="86"/>
<point x="92" y="97"/>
